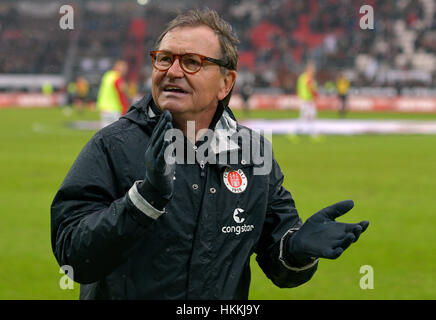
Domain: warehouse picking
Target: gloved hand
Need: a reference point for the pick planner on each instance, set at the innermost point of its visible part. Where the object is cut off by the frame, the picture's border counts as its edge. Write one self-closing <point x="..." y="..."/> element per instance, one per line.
<point x="158" y="185"/>
<point x="322" y="237"/>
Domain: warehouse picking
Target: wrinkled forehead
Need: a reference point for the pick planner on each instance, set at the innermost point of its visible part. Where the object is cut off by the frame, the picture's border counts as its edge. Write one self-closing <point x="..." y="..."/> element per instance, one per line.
<point x="201" y="39"/>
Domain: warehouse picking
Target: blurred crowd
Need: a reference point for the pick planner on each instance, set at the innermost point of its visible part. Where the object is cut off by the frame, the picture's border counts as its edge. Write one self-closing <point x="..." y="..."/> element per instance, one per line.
<point x="29" y="43"/>
<point x="277" y="38"/>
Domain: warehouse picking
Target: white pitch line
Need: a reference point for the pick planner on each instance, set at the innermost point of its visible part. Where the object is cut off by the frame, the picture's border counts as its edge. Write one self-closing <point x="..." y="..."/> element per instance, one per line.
<point x="345" y="127"/>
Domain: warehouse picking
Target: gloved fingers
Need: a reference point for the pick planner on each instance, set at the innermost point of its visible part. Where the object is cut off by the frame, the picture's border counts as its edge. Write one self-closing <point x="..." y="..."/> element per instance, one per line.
<point x="169" y="170"/>
<point x="164" y="119"/>
<point x="349" y="239"/>
<point x="357" y="232"/>
<point x="160" y="155"/>
<point x="353" y="227"/>
<point x="343" y="242"/>
<point x="160" y="142"/>
<point x="157" y="129"/>
<point x="336" y="243"/>
<point x="356" y="228"/>
<point x="160" y="159"/>
<point x="363" y="226"/>
<point x="157" y="146"/>
<point x="338" y="209"/>
<point x="331" y="253"/>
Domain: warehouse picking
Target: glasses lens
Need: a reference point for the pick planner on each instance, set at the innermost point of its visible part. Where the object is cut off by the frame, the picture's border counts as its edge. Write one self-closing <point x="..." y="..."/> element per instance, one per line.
<point x="163" y="60"/>
<point x="191" y="62"/>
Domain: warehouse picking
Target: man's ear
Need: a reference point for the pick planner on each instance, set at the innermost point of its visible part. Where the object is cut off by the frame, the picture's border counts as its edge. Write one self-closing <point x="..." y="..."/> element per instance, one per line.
<point x="228" y="82"/>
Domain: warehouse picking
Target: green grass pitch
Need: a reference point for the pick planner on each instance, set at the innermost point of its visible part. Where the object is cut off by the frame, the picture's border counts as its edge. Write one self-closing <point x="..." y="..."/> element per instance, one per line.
<point x="391" y="178"/>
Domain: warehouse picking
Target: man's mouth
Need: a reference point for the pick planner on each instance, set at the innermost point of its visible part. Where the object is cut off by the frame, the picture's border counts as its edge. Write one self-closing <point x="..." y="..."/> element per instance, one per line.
<point x="173" y="89"/>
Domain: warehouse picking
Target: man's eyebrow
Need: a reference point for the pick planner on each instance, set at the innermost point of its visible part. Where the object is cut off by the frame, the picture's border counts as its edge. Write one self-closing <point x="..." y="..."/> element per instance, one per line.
<point x="180" y="52"/>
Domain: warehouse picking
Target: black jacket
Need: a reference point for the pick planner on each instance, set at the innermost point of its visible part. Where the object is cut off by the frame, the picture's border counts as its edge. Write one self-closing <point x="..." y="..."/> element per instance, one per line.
<point x="199" y="248"/>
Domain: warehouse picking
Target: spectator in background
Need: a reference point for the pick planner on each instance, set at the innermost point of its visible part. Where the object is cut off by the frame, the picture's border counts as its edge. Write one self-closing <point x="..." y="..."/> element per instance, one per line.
<point x="47" y="89"/>
<point x="71" y="93"/>
<point x="307" y="92"/>
<point x="112" y="101"/>
<point x="342" y="87"/>
<point x="82" y="93"/>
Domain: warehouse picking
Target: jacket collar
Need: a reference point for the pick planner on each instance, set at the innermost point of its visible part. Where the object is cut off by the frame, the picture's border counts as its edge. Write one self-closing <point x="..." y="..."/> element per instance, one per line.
<point x="225" y="128"/>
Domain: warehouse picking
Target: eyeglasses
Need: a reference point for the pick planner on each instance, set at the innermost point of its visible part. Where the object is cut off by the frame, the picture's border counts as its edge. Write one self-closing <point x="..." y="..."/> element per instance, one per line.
<point x="190" y="62"/>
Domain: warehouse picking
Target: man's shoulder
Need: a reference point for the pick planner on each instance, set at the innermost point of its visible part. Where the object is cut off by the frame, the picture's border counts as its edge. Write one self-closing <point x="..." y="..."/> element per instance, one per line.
<point x="135" y="120"/>
<point x="117" y="130"/>
<point x="263" y="136"/>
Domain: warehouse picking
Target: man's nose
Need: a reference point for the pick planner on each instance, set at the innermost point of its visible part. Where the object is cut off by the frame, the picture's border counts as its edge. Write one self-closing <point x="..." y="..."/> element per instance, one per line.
<point x="175" y="71"/>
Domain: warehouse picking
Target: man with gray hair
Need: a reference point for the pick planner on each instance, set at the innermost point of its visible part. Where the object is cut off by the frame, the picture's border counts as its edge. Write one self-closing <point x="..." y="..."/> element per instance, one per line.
<point x="134" y="225"/>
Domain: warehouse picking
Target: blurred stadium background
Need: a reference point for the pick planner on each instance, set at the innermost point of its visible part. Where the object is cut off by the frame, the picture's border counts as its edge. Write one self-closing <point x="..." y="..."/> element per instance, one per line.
<point x="389" y="171"/>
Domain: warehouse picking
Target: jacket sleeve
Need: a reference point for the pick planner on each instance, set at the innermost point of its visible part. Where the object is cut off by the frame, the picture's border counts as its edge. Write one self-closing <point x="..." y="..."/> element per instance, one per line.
<point x="92" y="230"/>
<point x="281" y="216"/>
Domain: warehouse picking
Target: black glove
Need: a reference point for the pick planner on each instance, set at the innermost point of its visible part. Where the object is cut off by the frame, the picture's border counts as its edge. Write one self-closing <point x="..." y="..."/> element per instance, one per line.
<point x="322" y="237"/>
<point x="158" y="185"/>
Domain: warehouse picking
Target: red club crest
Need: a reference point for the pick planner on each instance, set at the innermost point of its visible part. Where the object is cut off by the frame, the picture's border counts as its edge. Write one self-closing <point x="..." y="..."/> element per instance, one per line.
<point x="235" y="180"/>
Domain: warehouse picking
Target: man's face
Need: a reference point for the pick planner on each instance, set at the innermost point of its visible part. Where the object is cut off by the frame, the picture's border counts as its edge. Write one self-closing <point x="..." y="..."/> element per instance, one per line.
<point x="202" y="90"/>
